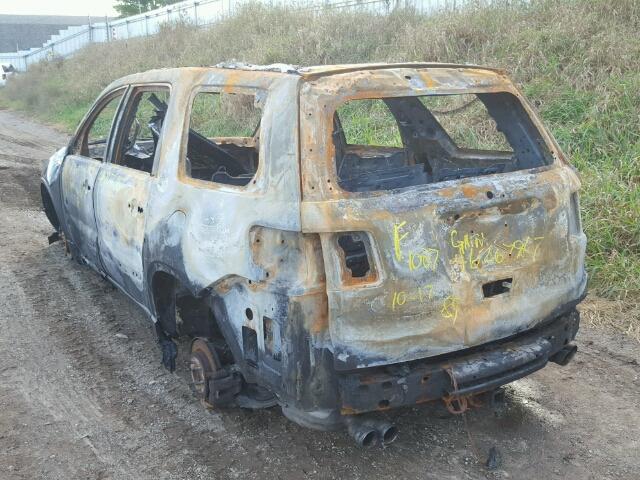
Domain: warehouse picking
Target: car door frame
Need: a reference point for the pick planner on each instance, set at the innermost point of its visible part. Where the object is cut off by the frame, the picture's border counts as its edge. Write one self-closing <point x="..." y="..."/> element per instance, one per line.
<point x="87" y="249"/>
<point x="121" y="238"/>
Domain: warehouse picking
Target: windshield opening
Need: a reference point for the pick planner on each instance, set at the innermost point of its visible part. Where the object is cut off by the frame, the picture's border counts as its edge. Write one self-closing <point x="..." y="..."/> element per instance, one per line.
<point x="389" y="143"/>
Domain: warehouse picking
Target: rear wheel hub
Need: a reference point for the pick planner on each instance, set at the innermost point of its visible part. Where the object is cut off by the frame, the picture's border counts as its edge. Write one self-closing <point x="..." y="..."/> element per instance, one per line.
<point x="203" y="364"/>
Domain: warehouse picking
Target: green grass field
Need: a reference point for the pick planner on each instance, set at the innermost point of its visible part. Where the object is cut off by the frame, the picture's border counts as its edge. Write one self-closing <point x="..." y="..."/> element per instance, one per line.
<point x="577" y="61"/>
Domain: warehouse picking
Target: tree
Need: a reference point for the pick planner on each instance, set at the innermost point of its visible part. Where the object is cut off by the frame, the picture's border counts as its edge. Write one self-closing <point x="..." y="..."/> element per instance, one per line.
<point x="133" y="7"/>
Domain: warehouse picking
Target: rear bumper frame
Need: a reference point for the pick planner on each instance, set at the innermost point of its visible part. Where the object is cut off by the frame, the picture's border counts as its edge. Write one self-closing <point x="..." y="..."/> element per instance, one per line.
<point x="475" y="370"/>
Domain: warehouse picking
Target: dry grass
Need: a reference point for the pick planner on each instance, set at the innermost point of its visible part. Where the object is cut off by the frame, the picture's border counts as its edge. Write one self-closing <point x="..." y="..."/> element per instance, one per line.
<point x="578" y="61"/>
<point x="618" y="315"/>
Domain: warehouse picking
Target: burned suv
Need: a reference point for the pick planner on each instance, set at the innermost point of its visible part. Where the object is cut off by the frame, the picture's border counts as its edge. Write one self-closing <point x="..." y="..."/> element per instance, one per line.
<point x="337" y="240"/>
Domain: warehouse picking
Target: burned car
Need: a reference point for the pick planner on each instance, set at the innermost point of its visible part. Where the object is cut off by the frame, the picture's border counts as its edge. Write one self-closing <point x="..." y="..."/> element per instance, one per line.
<point x="337" y="240"/>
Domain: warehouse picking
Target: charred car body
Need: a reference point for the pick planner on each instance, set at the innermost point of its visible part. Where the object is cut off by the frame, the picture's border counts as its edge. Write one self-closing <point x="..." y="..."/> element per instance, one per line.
<point x="338" y="240"/>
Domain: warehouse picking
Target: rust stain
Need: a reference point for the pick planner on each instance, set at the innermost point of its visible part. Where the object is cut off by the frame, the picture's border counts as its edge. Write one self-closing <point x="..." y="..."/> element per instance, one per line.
<point x="469" y="190"/>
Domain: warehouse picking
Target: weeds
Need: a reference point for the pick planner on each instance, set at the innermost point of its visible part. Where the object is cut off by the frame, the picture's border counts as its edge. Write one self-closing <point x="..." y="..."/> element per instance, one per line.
<point x="578" y="61"/>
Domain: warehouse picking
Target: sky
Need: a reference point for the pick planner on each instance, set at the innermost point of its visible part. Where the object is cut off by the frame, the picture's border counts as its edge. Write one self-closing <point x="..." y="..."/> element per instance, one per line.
<point x="58" y="7"/>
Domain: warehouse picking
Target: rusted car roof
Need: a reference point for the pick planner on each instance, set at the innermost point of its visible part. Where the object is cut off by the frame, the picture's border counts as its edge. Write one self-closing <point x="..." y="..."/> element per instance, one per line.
<point x="281" y="69"/>
<point x="319" y="70"/>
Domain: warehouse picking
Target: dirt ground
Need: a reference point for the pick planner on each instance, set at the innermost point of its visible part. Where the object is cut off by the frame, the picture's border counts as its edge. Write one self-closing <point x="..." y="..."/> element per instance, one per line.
<point x="83" y="395"/>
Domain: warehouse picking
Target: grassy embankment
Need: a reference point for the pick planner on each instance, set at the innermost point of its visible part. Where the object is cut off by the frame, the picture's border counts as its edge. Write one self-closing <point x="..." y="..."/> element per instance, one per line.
<point x="578" y="61"/>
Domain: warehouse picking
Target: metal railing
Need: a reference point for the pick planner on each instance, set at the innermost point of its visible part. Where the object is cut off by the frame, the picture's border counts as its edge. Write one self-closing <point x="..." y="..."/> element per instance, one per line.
<point x="197" y="12"/>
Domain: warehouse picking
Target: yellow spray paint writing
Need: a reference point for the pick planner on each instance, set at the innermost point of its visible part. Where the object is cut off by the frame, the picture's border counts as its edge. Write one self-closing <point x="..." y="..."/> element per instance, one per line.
<point x="397" y="238"/>
<point x="450" y="308"/>
<point x="522" y="248"/>
<point x="467" y="242"/>
<point x="420" y="294"/>
<point x="427" y="258"/>
<point x="473" y="251"/>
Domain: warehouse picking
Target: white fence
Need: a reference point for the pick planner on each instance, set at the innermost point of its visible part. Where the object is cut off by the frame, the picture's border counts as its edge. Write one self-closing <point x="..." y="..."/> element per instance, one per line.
<point x="198" y="12"/>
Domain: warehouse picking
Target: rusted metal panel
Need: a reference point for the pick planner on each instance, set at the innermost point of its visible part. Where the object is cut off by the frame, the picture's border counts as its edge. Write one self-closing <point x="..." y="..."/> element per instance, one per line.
<point x="438" y="244"/>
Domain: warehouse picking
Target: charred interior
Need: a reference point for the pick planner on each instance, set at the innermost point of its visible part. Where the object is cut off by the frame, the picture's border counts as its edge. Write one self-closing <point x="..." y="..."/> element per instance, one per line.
<point x="403" y="141"/>
<point x="223" y="138"/>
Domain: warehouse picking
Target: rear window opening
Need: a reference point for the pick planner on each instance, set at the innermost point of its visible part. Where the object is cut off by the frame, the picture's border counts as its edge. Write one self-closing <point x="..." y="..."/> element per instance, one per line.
<point x="389" y="143"/>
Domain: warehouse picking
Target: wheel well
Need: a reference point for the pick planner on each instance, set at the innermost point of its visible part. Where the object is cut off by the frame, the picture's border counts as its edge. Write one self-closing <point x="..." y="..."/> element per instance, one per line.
<point x="181" y="313"/>
<point x="49" y="209"/>
<point x="163" y="287"/>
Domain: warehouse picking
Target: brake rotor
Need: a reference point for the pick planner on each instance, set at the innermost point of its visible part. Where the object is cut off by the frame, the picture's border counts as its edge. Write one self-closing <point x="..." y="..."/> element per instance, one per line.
<point x="203" y="364"/>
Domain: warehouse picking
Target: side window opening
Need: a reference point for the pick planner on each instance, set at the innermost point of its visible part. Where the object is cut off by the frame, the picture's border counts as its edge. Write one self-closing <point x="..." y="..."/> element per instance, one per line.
<point x="92" y="142"/>
<point x="466" y="119"/>
<point x="223" y="138"/>
<point x="142" y="128"/>
<point x="369" y="122"/>
<point x="384" y="144"/>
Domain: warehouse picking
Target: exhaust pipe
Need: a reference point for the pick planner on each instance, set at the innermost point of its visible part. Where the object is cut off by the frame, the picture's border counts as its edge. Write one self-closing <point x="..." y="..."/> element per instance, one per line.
<point x="368" y="432"/>
<point x="362" y="432"/>
<point x="563" y="356"/>
<point x="387" y="432"/>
